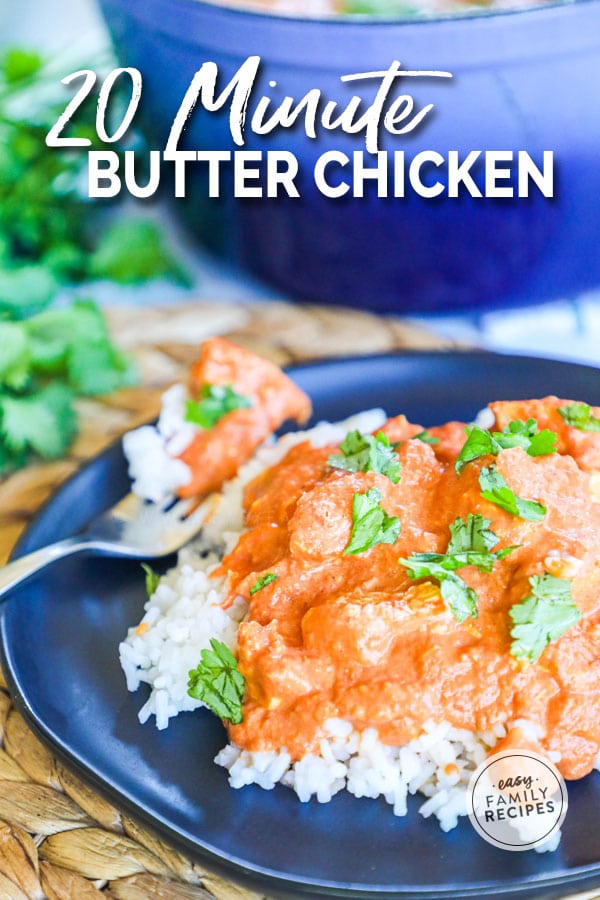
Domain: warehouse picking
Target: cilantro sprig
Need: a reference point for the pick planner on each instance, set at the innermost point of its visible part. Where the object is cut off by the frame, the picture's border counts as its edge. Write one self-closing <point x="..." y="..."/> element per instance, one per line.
<point x="481" y="442"/>
<point x="371" y="525"/>
<point x="218" y="683"/>
<point x="262" y="582"/>
<point x="579" y="415"/>
<point x="367" y="453"/>
<point x="542" y="617"/>
<point x="152" y="579"/>
<point x="216" y="400"/>
<point x="51" y="235"/>
<point x="495" y="489"/>
<point x="471" y="544"/>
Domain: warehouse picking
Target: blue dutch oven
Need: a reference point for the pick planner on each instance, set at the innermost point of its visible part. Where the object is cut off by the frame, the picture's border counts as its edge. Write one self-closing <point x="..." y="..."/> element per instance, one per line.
<point x="526" y="80"/>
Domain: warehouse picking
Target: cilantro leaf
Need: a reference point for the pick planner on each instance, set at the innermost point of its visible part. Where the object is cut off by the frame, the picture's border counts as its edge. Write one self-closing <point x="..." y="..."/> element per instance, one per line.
<point x="495" y="489"/>
<point x="14" y="356"/>
<point x="481" y="442"/>
<point x="371" y="525"/>
<point x="218" y="683"/>
<point x="426" y="437"/>
<point x="263" y="581"/>
<point x="472" y="535"/>
<point x="43" y="422"/>
<point x="18" y="64"/>
<point x="133" y="250"/>
<point x="25" y="290"/>
<point x="579" y="415"/>
<point x="470" y="544"/>
<point x="461" y="599"/>
<point x="367" y="453"/>
<point x="526" y="435"/>
<point x="542" y="617"/>
<point x="216" y="400"/>
<point x="152" y="579"/>
<point x="74" y="343"/>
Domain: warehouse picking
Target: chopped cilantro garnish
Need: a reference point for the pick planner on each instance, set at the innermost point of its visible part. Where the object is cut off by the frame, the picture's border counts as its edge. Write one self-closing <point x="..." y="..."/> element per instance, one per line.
<point x="218" y="683"/>
<point x="263" y="581"/>
<point x="371" y="524"/>
<point x="526" y="435"/>
<point x="495" y="489"/>
<point x="542" y="617"/>
<point x="216" y="400"/>
<point x="481" y="442"/>
<point x="367" y="453"/>
<point x="579" y="415"/>
<point x="426" y="437"/>
<point x="152" y="579"/>
<point x="470" y="544"/>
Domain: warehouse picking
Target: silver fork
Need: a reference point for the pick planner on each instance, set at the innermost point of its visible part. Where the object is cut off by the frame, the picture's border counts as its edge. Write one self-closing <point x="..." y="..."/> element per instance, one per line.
<point x="131" y="528"/>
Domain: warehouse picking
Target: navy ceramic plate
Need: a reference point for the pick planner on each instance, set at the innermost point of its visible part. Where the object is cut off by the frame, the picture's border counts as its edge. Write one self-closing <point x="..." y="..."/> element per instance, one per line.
<point x="59" y="642"/>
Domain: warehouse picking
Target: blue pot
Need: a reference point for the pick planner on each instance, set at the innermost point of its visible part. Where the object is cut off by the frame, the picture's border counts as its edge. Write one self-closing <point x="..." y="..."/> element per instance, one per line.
<point x="526" y="80"/>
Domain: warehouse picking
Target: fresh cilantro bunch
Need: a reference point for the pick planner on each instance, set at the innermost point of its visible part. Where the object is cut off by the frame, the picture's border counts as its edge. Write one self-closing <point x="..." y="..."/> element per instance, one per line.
<point x="50" y="232"/>
<point x="51" y="235"/>
<point x="526" y="435"/>
<point x="367" y="453"/>
<point x="218" y="683"/>
<point x="45" y="361"/>
<point x="542" y="617"/>
<point x="471" y="544"/>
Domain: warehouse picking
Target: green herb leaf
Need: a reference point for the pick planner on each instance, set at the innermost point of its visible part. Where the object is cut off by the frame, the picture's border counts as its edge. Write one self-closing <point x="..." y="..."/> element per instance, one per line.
<point x="579" y="415"/>
<point x="495" y="489"/>
<point x="133" y="250"/>
<point x="74" y="343"/>
<point x="18" y="64"/>
<point x="367" y="453"/>
<point x="542" y="617"/>
<point x="152" y="579"/>
<point x="371" y="525"/>
<point x="218" y="683"/>
<point x="472" y="535"/>
<point x="481" y="442"/>
<point x="461" y="599"/>
<point x="426" y="437"/>
<point x="14" y="356"/>
<point x="216" y="400"/>
<point x="526" y="435"/>
<point x="470" y="544"/>
<point x="43" y="422"/>
<point x="25" y="290"/>
<point x="262" y="582"/>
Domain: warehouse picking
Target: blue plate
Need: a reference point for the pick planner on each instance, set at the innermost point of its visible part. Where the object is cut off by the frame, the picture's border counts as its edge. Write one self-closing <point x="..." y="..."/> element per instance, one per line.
<point x="59" y="637"/>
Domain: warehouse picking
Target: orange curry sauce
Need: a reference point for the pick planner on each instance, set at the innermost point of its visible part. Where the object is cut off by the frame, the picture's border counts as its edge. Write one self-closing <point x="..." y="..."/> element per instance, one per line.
<point x="352" y="636"/>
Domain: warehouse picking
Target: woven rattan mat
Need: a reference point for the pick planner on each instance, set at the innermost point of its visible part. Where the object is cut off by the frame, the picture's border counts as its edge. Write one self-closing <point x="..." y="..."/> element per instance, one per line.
<point x="58" y="838"/>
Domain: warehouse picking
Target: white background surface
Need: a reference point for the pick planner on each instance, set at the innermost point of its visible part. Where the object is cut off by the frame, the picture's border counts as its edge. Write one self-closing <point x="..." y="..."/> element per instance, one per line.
<point x="567" y="329"/>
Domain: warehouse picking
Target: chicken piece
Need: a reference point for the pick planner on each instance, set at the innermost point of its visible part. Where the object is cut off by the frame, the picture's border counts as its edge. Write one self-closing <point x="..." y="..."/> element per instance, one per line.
<point x="215" y="454"/>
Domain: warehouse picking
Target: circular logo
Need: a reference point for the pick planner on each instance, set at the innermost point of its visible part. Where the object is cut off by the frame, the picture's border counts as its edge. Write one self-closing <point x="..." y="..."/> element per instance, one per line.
<point x="517" y="800"/>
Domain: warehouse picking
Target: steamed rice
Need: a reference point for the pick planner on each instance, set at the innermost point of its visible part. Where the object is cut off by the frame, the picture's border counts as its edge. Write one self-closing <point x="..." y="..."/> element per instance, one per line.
<point x="185" y="612"/>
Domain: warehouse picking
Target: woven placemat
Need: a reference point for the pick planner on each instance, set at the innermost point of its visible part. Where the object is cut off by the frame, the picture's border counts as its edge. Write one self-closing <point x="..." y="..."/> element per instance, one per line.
<point x="58" y="839"/>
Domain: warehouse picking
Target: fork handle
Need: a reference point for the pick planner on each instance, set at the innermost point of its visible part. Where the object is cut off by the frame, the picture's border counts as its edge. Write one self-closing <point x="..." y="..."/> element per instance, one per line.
<point x="14" y="573"/>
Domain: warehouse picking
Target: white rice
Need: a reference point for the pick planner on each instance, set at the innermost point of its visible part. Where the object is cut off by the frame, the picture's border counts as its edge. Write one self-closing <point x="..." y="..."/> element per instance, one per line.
<point x="185" y="612"/>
